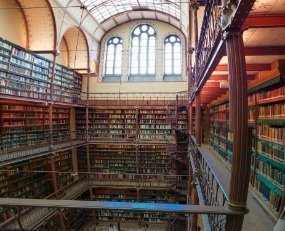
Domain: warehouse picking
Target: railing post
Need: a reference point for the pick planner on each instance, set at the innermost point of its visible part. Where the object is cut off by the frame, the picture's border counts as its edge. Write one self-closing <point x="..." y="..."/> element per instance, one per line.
<point x="238" y="123"/>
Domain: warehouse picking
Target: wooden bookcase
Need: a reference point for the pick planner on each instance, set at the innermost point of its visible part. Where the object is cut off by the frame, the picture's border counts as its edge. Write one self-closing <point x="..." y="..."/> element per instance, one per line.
<point x="63" y="165"/>
<point x="143" y="123"/>
<point x="24" y="124"/>
<point x="121" y="158"/>
<point x="266" y="115"/>
<point x="25" y="179"/>
<point x="25" y="74"/>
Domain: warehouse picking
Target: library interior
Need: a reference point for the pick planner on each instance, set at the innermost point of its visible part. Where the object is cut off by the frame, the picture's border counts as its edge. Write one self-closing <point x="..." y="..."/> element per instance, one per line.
<point x="142" y="115"/>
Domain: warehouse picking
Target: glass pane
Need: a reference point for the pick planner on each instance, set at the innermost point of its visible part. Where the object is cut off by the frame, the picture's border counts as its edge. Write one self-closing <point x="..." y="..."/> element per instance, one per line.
<point x="177" y="49"/>
<point x="104" y="9"/>
<point x="134" y="55"/>
<point x="109" y="71"/>
<point x="143" y="61"/>
<point x="144" y="38"/>
<point x="151" y="31"/>
<point x="177" y="58"/>
<point x="135" y="42"/>
<point x="111" y="50"/>
<point x="117" y="71"/>
<point x="137" y="31"/>
<point x="168" y="67"/>
<point x="118" y="61"/>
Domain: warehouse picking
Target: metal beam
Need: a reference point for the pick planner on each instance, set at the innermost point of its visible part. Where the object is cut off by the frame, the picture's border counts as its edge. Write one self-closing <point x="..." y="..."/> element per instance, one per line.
<point x="264" y="21"/>
<point x="268" y="50"/>
<point x="226" y="77"/>
<point x="249" y="67"/>
<point x="128" y="206"/>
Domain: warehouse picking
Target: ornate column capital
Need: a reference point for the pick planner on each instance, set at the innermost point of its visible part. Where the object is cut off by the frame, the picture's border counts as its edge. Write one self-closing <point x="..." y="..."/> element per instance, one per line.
<point x="194" y="5"/>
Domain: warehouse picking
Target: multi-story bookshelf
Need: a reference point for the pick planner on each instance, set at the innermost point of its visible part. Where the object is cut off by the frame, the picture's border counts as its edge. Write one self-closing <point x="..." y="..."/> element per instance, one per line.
<point x="108" y="123"/>
<point x="266" y="115"/>
<point x="63" y="166"/>
<point x="25" y="74"/>
<point x="67" y="85"/>
<point x="220" y="133"/>
<point x="121" y="158"/>
<point x="140" y="155"/>
<point x="25" y="124"/>
<point x="24" y="179"/>
<point x="143" y="123"/>
<point x="61" y="122"/>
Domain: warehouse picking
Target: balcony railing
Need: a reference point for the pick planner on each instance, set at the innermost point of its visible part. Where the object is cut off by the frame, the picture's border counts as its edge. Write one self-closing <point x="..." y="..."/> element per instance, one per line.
<point x="134" y="98"/>
<point x="210" y="188"/>
<point x="26" y="149"/>
<point x="31" y="218"/>
<point x="211" y="34"/>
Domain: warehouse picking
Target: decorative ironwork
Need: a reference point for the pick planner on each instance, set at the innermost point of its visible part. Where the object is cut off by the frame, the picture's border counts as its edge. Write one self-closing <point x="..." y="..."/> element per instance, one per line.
<point x="213" y="193"/>
<point x="211" y="32"/>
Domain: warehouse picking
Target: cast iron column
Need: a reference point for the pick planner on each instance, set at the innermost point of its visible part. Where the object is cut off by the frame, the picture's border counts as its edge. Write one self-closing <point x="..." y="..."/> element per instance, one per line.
<point x="238" y="123"/>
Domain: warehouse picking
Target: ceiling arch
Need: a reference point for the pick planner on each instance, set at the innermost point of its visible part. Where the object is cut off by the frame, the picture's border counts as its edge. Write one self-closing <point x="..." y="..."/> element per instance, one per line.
<point x="39" y="28"/>
<point x="78" y="50"/>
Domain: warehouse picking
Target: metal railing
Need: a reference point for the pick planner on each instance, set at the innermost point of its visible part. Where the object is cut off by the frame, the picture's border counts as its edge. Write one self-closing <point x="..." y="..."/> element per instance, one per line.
<point x="26" y="149"/>
<point x="111" y="99"/>
<point x="31" y="218"/>
<point x="165" y="181"/>
<point x="211" y="32"/>
<point x="132" y="98"/>
<point x="213" y="192"/>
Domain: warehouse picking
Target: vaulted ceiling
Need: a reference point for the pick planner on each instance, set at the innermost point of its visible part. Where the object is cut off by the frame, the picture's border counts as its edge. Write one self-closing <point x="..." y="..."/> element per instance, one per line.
<point x="111" y="13"/>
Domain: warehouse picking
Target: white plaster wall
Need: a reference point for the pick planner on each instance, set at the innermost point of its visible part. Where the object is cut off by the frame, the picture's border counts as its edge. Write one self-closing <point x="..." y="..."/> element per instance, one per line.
<point x="98" y="87"/>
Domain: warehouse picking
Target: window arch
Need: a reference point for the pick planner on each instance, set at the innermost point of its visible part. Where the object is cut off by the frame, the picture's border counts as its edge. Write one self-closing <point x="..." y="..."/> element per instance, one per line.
<point x="143" y="44"/>
<point x="113" y="57"/>
<point x="172" y="58"/>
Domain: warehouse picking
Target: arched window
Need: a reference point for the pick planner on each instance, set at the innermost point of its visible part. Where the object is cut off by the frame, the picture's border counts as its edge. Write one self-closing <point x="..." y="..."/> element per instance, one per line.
<point x="143" y="45"/>
<point x="113" y="58"/>
<point x="172" y="58"/>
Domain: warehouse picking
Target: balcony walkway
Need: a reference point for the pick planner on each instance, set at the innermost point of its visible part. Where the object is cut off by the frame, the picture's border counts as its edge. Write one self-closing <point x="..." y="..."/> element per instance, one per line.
<point x="257" y="218"/>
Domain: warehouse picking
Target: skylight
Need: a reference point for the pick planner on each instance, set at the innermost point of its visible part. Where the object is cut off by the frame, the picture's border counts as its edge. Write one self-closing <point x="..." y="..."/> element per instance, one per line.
<point x="104" y="9"/>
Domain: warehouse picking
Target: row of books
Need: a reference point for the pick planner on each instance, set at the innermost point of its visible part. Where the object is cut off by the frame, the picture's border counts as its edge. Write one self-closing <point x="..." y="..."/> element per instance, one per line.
<point x="271" y="111"/>
<point x="270" y="151"/>
<point x="270" y="196"/>
<point x="277" y="92"/>
<point x="219" y="108"/>
<point x="29" y="75"/>
<point x="219" y="117"/>
<point x="274" y="173"/>
<point x="276" y="134"/>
